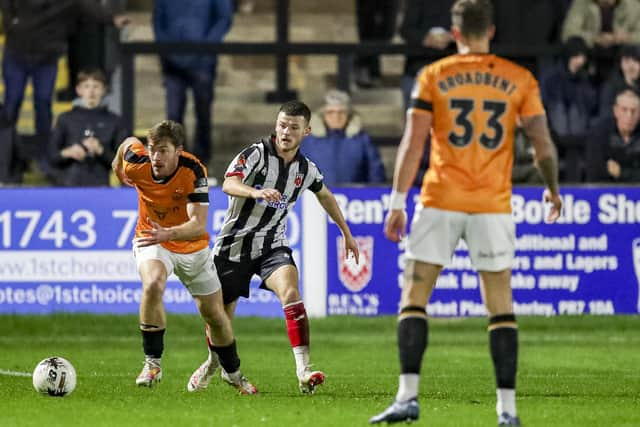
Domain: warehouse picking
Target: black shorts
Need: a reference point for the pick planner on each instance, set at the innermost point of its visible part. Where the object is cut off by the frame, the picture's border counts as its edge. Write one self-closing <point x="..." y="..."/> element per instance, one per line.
<point x="236" y="276"/>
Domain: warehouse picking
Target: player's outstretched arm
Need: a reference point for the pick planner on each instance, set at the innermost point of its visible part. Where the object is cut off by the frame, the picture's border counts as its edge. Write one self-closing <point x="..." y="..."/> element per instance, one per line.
<point x="118" y="161"/>
<point x="233" y="186"/>
<point x="408" y="160"/>
<point x="546" y="160"/>
<point x="328" y="202"/>
<point x="193" y="229"/>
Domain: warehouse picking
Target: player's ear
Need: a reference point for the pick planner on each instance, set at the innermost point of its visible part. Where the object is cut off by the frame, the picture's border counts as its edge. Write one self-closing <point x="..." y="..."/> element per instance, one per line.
<point x="456" y="33"/>
<point x="307" y="130"/>
<point x="491" y="32"/>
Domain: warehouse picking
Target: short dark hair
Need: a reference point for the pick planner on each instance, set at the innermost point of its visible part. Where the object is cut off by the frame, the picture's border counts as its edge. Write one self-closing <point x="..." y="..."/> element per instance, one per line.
<point x="473" y="17"/>
<point x="167" y="129"/>
<point x="296" y="108"/>
<point x="91" y="73"/>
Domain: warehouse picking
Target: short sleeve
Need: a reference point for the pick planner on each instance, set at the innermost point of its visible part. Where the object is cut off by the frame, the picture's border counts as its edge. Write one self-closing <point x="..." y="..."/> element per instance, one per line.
<point x="531" y="101"/>
<point x="421" y="95"/>
<point x="244" y="163"/>
<point x="316" y="180"/>
<point x="136" y="160"/>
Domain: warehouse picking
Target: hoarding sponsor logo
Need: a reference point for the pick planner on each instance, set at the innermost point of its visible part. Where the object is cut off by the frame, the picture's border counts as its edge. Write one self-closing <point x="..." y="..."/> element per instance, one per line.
<point x="356" y="276"/>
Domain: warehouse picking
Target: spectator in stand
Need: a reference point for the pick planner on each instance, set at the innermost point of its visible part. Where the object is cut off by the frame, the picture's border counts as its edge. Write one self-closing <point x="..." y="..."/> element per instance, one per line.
<point x="528" y="23"/>
<point x="569" y="97"/>
<point x="192" y="21"/>
<point x="86" y="138"/>
<point x="613" y="148"/>
<point x="376" y="20"/>
<point x="604" y="25"/>
<point x="339" y="146"/>
<point x="36" y="36"/>
<point x="428" y="25"/>
<point x="626" y="76"/>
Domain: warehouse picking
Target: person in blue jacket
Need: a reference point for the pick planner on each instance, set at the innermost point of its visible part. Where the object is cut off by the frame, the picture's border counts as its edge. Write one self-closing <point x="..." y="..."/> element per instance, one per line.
<point x="339" y="146"/>
<point x="195" y="21"/>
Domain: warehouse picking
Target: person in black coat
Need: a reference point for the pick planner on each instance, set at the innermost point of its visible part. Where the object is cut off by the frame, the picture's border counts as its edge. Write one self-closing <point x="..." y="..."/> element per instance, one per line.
<point x="613" y="147"/>
<point x="85" y="139"/>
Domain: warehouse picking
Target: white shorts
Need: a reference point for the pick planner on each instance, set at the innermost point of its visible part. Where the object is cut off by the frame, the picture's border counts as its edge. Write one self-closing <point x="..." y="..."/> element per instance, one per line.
<point x="195" y="270"/>
<point x="435" y="234"/>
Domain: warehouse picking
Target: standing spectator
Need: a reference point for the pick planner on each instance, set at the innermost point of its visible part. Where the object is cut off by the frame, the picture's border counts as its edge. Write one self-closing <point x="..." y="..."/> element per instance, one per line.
<point x="613" y="148"/>
<point x="36" y="36"/>
<point x="92" y="46"/>
<point x="568" y="95"/>
<point x="339" y="146"/>
<point x="627" y="76"/>
<point x="192" y="21"/>
<point x="604" y="25"/>
<point x="86" y="138"/>
<point x="527" y="23"/>
<point x="376" y="20"/>
<point x="424" y="24"/>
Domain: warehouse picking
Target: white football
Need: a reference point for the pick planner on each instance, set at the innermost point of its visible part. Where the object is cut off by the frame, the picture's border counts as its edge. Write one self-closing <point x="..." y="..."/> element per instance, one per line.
<point x="54" y="376"/>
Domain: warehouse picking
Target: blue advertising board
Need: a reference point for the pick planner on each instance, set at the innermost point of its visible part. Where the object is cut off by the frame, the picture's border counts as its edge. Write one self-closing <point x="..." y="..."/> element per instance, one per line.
<point x="70" y="250"/>
<point x="588" y="262"/>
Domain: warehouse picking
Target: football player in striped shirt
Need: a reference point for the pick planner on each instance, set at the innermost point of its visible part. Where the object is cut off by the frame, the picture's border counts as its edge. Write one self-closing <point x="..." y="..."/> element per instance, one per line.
<point x="264" y="182"/>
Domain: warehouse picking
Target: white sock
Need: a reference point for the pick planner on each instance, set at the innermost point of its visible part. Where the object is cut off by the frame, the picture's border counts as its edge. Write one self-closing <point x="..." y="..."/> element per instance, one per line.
<point x="301" y="355"/>
<point x="407" y="387"/>
<point x="153" y="360"/>
<point x="506" y="401"/>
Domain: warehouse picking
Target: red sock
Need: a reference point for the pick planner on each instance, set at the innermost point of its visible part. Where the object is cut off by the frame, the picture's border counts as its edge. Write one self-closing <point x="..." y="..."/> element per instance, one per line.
<point x="297" y="324"/>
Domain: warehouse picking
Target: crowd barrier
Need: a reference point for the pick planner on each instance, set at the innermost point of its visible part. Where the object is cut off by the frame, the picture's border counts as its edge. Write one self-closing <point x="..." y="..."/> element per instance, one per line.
<point x="70" y="250"/>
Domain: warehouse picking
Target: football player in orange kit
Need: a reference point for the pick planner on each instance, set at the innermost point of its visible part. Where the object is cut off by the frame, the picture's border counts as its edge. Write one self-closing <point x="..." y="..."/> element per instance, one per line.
<point x="171" y="237"/>
<point x="469" y="102"/>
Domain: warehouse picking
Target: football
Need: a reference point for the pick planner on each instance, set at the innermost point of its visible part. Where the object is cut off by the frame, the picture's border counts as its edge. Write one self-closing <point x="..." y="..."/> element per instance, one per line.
<point x="54" y="376"/>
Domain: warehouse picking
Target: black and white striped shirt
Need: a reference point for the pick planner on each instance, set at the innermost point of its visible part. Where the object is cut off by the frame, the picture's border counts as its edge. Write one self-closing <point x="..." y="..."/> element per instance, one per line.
<point x="252" y="227"/>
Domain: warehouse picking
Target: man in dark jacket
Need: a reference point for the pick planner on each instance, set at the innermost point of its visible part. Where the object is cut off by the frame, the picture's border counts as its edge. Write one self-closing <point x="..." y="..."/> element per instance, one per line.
<point x="192" y="21"/>
<point x="339" y="146"/>
<point x="85" y="139"/>
<point x="613" y="148"/>
<point x="36" y="36"/>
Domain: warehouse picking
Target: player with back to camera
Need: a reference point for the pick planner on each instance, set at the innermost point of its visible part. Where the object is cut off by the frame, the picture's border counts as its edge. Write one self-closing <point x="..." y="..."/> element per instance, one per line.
<point x="171" y="237"/>
<point x="264" y="182"/>
<point x="469" y="102"/>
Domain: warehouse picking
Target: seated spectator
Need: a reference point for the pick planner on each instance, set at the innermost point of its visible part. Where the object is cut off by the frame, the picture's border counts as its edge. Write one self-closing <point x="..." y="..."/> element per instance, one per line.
<point x="85" y="139"/>
<point x="338" y="145"/>
<point x="524" y="169"/>
<point x="626" y="76"/>
<point x="604" y="25"/>
<point x="613" y="148"/>
<point x="568" y="95"/>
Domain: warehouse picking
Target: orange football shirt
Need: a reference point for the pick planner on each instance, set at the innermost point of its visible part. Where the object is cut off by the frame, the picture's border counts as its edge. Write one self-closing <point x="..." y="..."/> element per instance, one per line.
<point x="165" y="201"/>
<point x="475" y="100"/>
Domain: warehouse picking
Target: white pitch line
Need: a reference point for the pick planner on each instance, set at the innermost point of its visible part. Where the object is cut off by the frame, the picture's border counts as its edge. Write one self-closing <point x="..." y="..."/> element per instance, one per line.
<point x="14" y="373"/>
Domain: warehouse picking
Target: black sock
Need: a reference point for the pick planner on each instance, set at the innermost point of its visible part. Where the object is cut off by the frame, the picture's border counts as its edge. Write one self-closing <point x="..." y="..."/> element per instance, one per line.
<point x="503" y="343"/>
<point x="153" y="343"/>
<point x="228" y="356"/>
<point x="412" y="342"/>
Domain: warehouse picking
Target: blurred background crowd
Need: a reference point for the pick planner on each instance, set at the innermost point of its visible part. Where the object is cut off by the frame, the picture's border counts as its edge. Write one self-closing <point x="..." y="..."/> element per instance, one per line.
<point x="61" y="116"/>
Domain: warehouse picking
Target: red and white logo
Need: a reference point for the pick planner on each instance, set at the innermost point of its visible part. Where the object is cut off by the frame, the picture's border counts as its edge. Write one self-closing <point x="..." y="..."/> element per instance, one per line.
<point x="298" y="180"/>
<point x="356" y="277"/>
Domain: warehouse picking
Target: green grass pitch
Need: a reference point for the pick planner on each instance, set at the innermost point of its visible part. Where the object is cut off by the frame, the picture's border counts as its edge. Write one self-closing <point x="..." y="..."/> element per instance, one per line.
<point x="574" y="371"/>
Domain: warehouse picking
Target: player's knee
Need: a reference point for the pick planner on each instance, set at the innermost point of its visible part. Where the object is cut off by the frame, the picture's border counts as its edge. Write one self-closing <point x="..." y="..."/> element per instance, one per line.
<point x="288" y="295"/>
<point x="153" y="289"/>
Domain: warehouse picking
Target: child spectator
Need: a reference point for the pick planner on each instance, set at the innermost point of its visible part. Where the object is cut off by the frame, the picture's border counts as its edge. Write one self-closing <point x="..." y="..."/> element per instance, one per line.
<point x="85" y="139"/>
